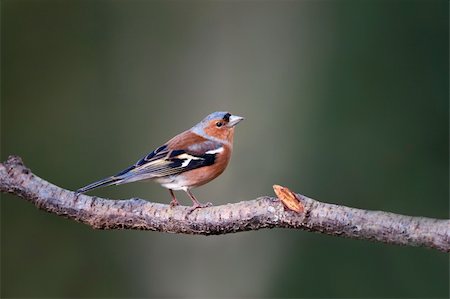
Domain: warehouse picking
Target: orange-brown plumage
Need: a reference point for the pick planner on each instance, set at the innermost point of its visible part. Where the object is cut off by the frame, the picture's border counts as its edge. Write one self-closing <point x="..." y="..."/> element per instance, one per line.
<point x="212" y="130"/>
<point x="185" y="139"/>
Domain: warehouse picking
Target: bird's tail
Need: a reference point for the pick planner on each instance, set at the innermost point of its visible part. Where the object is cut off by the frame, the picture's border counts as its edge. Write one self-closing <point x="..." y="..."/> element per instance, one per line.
<point x="112" y="180"/>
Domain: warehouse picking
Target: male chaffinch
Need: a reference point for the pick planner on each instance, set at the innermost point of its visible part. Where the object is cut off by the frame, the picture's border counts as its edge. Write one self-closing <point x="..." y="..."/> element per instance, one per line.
<point x="188" y="160"/>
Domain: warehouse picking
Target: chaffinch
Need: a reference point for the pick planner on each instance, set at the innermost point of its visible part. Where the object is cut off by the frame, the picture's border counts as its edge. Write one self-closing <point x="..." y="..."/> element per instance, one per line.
<point x="186" y="161"/>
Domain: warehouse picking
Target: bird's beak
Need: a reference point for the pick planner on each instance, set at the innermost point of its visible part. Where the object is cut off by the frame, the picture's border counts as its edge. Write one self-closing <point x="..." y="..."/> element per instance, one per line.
<point x="234" y="120"/>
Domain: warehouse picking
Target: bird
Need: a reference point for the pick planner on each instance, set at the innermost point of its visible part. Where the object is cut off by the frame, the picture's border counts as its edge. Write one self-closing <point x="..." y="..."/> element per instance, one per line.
<point x="188" y="160"/>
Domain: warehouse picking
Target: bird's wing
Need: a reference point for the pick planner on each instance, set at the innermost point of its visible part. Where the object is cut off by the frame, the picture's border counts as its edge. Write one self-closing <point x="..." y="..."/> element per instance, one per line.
<point x="165" y="161"/>
<point x="153" y="165"/>
<point x="184" y="152"/>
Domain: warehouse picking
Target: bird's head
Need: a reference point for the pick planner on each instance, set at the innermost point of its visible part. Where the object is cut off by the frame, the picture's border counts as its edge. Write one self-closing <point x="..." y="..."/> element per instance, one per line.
<point x="219" y="125"/>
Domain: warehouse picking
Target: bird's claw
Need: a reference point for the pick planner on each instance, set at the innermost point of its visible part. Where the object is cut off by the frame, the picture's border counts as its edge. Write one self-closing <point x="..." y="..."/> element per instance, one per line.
<point x="199" y="206"/>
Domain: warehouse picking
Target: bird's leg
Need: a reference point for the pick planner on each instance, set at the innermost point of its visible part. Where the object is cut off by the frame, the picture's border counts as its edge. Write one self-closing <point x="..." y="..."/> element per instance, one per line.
<point x="196" y="204"/>
<point x="174" y="202"/>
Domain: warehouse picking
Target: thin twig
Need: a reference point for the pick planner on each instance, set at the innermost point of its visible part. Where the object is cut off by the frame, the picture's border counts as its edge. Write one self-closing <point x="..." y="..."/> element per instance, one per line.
<point x="263" y="212"/>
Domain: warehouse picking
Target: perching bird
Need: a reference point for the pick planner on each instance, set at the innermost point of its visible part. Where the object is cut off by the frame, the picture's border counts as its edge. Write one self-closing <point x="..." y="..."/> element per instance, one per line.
<point x="186" y="161"/>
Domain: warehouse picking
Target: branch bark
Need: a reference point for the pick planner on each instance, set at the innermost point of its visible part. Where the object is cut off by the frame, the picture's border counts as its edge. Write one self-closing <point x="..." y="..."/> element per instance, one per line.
<point x="263" y="212"/>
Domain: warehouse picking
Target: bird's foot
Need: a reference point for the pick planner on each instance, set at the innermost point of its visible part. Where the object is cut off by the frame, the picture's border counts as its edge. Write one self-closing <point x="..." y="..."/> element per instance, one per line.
<point x="198" y="205"/>
<point x="174" y="203"/>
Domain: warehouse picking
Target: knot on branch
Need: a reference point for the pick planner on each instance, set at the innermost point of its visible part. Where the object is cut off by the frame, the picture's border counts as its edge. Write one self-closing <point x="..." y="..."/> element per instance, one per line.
<point x="13" y="161"/>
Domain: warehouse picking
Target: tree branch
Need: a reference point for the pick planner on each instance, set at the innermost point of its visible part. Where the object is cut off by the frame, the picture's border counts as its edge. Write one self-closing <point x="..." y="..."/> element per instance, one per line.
<point x="264" y="212"/>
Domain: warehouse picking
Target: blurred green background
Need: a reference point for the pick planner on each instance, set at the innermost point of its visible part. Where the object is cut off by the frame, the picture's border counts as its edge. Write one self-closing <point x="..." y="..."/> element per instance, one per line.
<point x="345" y="102"/>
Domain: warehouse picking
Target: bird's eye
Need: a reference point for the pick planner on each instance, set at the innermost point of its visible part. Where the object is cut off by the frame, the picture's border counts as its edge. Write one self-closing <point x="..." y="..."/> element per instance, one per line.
<point x="219" y="124"/>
